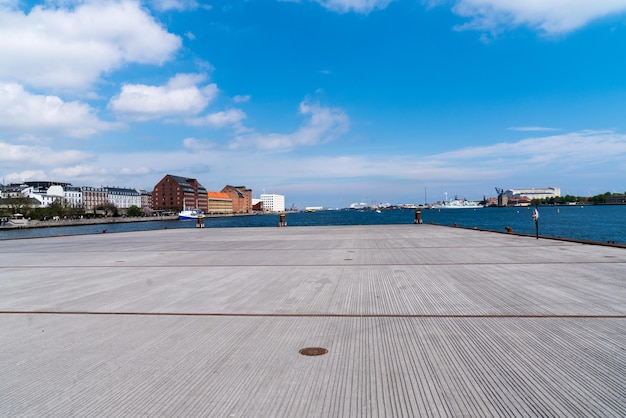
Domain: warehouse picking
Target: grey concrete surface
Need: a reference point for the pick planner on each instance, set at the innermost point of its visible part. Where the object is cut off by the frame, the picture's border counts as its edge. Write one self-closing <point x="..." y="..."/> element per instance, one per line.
<point x="418" y="320"/>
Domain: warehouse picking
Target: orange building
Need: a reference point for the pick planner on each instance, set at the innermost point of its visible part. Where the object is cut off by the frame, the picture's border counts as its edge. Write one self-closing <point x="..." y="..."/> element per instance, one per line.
<point x="219" y="203"/>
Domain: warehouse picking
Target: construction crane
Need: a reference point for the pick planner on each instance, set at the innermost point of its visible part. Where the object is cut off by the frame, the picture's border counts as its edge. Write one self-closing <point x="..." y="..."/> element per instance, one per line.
<point x="502" y="199"/>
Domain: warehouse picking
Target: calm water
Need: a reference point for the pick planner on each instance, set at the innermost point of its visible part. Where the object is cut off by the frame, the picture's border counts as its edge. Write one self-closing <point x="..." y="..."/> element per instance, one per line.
<point x="594" y="223"/>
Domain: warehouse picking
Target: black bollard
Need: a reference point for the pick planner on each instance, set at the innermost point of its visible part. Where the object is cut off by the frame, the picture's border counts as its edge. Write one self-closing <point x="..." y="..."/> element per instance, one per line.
<point x="282" y="221"/>
<point x="418" y="217"/>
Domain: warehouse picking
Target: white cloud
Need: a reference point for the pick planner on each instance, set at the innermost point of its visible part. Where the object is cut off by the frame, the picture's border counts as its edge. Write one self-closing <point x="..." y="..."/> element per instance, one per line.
<point x="557" y="158"/>
<point x="194" y="144"/>
<point x="549" y="16"/>
<point x="531" y="129"/>
<point x="228" y="117"/>
<point x="570" y="151"/>
<point x="26" y="175"/>
<point x="27" y="114"/>
<point x="358" y="6"/>
<point x="12" y="155"/>
<point x="231" y="117"/>
<point x="324" y="124"/>
<point x="241" y="98"/>
<point x="494" y="16"/>
<point x="77" y="171"/>
<point x="179" y="97"/>
<point x="179" y="5"/>
<point x="566" y="161"/>
<point x="71" y="48"/>
<point x="9" y="4"/>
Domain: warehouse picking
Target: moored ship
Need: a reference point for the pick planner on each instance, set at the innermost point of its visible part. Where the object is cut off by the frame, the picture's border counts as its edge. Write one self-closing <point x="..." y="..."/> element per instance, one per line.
<point x="190" y="214"/>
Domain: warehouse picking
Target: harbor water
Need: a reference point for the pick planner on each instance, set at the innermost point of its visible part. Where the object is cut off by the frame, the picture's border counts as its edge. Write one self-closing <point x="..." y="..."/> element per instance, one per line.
<point x="606" y="223"/>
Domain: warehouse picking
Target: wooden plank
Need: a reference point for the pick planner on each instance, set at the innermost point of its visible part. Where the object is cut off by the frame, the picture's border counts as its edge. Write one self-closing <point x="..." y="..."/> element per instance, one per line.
<point x="418" y="320"/>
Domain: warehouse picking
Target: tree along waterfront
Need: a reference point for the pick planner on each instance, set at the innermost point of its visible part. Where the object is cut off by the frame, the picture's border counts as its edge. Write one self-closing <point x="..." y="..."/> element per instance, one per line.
<point x="569" y="199"/>
<point x="61" y="209"/>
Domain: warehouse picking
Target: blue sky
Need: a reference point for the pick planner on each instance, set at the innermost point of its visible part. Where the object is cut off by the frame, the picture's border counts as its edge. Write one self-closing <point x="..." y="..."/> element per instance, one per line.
<point x="327" y="102"/>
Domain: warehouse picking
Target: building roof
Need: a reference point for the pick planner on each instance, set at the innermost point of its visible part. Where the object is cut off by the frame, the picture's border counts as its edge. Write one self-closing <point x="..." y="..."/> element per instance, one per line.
<point x="236" y="189"/>
<point x="121" y="190"/>
<point x="184" y="183"/>
<point x="218" y="195"/>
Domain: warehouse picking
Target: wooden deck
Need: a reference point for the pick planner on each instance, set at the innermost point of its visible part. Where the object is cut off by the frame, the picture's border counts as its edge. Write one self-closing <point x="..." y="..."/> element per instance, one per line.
<point x="418" y="320"/>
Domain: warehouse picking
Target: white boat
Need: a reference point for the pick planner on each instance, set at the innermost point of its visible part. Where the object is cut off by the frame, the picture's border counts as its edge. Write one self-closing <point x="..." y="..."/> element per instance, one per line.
<point x="190" y="214"/>
<point x="457" y="204"/>
<point x="18" y="220"/>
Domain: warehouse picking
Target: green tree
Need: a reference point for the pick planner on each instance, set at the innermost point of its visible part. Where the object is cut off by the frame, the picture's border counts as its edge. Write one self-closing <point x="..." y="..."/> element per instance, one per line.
<point x="134" y="211"/>
<point x="19" y="205"/>
<point x="57" y="208"/>
<point x="109" y="209"/>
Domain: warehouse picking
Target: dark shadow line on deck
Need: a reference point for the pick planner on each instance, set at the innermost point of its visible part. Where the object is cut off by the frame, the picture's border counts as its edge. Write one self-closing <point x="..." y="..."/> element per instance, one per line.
<point x="348" y="262"/>
<point x="314" y="315"/>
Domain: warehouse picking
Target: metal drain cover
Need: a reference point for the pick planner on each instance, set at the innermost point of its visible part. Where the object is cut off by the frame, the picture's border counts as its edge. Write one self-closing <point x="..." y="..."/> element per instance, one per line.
<point x="313" y="351"/>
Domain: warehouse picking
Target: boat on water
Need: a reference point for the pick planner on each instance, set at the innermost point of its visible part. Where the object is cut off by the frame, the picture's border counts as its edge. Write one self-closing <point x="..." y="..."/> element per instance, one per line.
<point x="457" y="204"/>
<point x="190" y="214"/>
<point x="18" y="220"/>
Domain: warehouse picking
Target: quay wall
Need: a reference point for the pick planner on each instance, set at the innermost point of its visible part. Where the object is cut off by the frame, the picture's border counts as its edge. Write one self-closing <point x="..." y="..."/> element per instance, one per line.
<point x="88" y="221"/>
<point x="106" y="220"/>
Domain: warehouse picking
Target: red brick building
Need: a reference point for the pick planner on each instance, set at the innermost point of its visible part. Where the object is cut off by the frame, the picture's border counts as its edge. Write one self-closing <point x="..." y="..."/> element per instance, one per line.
<point x="176" y="193"/>
<point x="241" y="197"/>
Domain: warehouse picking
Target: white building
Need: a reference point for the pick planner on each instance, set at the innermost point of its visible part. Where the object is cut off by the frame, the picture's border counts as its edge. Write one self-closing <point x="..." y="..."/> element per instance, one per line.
<point x="63" y="193"/>
<point x="539" y="193"/>
<point x="273" y="202"/>
<point x="123" y="198"/>
<point x="73" y="196"/>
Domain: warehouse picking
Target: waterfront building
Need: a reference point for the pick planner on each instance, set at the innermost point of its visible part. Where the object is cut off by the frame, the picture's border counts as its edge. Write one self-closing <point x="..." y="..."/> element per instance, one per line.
<point x="241" y="197"/>
<point x="13" y="199"/>
<point x="257" y="205"/>
<point x="40" y="195"/>
<point x="616" y="199"/>
<point x="176" y="193"/>
<point x="534" y="193"/>
<point x="219" y="203"/>
<point x="73" y="195"/>
<point x="12" y="191"/>
<point x="123" y="198"/>
<point x="146" y="198"/>
<point x="47" y="192"/>
<point x="273" y="202"/>
<point x="94" y="197"/>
